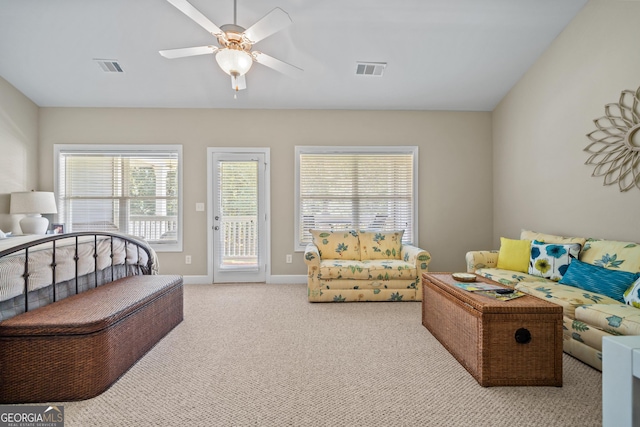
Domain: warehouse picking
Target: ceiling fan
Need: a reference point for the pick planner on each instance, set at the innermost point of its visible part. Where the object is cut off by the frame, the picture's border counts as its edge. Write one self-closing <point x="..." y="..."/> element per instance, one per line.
<point x="234" y="52"/>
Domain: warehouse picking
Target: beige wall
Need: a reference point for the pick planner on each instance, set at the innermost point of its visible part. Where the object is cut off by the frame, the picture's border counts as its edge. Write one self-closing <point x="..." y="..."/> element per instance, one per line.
<point x="482" y="175"/>
<point x="18" y="149"/>
<point x="540" y="181"/>
<point x="455" y="204"/>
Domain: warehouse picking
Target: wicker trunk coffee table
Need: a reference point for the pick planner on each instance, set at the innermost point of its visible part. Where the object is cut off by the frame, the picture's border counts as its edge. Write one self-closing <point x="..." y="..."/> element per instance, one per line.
<point x="501" y="343"/>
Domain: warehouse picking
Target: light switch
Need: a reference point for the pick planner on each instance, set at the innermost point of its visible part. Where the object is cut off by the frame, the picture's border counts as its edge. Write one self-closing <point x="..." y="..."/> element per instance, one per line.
<point x="199" y="207"/>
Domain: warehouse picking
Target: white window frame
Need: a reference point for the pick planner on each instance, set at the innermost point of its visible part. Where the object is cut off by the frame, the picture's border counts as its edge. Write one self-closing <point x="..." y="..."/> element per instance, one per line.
<point x="98" y="148"/>
<point x="413" y="150"/>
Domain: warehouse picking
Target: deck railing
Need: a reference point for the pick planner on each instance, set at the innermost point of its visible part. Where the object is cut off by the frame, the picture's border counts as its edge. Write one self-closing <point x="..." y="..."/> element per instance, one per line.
<point x="153" y="227"/>
<point x="240" y="236"/>
<point x="240" y="233"/>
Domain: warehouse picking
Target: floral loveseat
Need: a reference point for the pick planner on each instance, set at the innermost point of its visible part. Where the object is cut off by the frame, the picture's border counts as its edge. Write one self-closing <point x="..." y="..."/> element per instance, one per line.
<point x="597" y="285"/>
<point x="349" y="265"/>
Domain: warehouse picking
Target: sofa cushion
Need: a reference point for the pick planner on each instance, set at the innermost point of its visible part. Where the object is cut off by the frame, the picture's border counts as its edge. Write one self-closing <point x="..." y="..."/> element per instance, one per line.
<point x="508" y="277"/>
<point x="391" y="269"/>
<point x="550" y="238"/>
<point x="337" y="244"/>
<point x="376" y="285"/>
<point x="343" y="269"/>
<point x="380" y="244"/>
<point x="577" y="330"/>
<point x="623" y="256"/>
<point x="568" y="297"/>
<point x="514" y="254"/>
<point x="598" y="279"/>
<point x="632" y="294"/>
<point x="367" y="270"/>
<point x="552" y="260"/>
<point x="617" y="319"/>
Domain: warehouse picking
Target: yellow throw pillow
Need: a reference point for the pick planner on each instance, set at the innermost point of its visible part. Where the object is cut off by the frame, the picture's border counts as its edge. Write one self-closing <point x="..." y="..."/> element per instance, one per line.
<point x="381" y="244"/>
<point x="341" y="244"/>
<point x="514" y="255"/>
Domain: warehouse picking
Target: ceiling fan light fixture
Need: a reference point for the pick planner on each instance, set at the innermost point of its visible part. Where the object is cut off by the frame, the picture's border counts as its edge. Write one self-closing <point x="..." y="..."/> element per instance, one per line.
<point x="234" y="61"/>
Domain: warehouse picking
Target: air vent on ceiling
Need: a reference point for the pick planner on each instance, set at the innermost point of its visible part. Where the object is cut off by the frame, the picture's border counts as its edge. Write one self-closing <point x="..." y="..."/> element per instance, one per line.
<point x="109" y="65"/>
<point x="370" y="68"/>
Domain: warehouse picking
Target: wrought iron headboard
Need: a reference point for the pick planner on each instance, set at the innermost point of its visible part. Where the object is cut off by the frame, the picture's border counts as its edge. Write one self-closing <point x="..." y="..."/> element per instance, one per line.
<point x="76" y="235"/>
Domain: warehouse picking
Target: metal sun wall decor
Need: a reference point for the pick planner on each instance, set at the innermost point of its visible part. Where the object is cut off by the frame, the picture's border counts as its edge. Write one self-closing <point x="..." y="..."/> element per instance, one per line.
<point x="615" y="144"/>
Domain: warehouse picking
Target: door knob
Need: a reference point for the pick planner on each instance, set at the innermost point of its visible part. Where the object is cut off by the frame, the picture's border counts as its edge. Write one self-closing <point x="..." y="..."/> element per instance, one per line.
<point x="216" y="228"/>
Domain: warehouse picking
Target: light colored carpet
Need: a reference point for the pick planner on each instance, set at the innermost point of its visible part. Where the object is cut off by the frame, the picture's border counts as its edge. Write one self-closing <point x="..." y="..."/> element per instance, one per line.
<point x="261" y="355"/>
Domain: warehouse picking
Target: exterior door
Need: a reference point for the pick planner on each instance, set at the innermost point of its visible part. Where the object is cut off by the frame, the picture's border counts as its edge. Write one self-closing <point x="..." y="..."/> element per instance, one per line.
<point x="239" y="221"/>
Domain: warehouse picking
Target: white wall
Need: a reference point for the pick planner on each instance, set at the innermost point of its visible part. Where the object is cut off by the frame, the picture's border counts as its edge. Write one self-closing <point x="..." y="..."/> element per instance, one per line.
<point x="454" y="159"/>
<point x="540" y="181"/>
<point x="18" y="149"/>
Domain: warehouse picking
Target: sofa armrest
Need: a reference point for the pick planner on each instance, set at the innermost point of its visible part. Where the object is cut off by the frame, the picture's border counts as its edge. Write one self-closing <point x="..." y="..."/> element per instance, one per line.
<point x="417" y="256"/>
<point x="481" y="259"/>
<point x="311" y="255"/>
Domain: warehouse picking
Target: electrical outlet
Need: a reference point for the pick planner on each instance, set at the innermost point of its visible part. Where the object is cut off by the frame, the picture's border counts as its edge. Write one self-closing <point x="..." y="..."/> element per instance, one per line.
<point x="199" y="207"/>
<point x="289" y="259"/>
<point x="187" y="259"/>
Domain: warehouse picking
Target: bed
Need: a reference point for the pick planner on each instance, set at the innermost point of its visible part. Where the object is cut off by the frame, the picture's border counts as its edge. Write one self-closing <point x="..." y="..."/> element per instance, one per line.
<point x="77" y="311"/>
<point x="53" y="267"/>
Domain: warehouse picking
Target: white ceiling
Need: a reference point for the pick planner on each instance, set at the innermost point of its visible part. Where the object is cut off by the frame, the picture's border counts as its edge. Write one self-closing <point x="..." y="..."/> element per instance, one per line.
<point x="441" y="54"/>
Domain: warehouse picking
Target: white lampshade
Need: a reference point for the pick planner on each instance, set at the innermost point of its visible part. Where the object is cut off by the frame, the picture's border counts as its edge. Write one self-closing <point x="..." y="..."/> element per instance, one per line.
<point x="234" y="61"/>
<point x="33" y="203"/>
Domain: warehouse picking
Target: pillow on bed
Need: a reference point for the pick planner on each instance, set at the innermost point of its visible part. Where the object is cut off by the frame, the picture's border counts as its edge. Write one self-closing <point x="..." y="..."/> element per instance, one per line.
<point x="2" y="235"/>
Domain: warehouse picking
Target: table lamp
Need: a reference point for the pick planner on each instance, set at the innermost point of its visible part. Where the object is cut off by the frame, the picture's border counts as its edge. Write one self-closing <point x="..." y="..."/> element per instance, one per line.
<point x="33" y="204"/>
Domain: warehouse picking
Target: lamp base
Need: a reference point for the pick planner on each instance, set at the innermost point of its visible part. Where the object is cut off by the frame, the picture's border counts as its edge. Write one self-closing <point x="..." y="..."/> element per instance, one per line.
<point x="34" y="224"/>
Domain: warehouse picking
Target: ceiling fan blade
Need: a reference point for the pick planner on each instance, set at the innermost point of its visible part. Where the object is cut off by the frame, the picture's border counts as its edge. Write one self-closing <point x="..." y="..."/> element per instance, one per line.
<point x="187" y="8"/>
<point x="276" y="64"/>
<point x="188" y="51"/>
<point x="271" y="23"/>
<point x="238" y="82"/>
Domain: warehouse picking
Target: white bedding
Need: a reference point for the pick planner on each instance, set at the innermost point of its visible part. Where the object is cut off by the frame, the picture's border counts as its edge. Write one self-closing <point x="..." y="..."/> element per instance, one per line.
<point x="12" y="267"/>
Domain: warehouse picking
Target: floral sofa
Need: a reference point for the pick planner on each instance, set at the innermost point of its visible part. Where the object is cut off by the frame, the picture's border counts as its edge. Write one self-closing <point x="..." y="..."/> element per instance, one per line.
<point x="349" y="265"/>
<point x="597" y="283"/>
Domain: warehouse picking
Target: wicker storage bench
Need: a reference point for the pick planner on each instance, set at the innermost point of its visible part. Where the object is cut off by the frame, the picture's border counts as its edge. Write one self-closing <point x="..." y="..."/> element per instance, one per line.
<point x="76" y="348"/>
<point x="500" y="343"/>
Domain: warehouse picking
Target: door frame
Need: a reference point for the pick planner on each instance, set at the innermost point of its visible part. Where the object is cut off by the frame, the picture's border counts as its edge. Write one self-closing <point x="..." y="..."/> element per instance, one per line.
<point x="267" y="203"/>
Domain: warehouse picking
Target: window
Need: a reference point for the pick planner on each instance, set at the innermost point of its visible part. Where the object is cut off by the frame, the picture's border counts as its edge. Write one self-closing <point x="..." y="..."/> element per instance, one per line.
<point x="133" y="189"/>
<point x="363" y="188"/>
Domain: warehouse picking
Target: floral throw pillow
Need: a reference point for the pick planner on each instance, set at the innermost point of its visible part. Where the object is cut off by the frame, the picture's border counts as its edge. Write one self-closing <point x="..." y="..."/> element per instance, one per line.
<point x="342" y="244"/>
<point x="552" y="260"/>
<point x="623" y="256"/>
<point x="381" y="244"/>
<point x="632" y="294"/>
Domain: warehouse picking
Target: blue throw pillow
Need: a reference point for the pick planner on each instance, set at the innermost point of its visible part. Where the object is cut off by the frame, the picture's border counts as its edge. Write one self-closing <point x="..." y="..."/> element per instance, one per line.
<point x="599" y="280"/>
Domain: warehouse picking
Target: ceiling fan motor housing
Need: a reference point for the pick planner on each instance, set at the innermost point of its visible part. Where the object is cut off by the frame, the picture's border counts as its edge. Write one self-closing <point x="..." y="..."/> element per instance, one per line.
<point x="234" y="34"/>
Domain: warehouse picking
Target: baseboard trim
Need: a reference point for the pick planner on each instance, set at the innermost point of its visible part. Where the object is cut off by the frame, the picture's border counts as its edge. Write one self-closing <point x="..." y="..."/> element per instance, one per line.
<point x="285" y="279"/>
<point x="288" y="279"/>
<point x="196" y="280"/>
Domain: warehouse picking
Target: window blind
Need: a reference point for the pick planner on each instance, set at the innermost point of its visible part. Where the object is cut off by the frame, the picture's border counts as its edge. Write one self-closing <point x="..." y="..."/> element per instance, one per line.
<point x="238" y="207"/>
<point x="357" y="190"/>
<point x="134" y="192"/>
